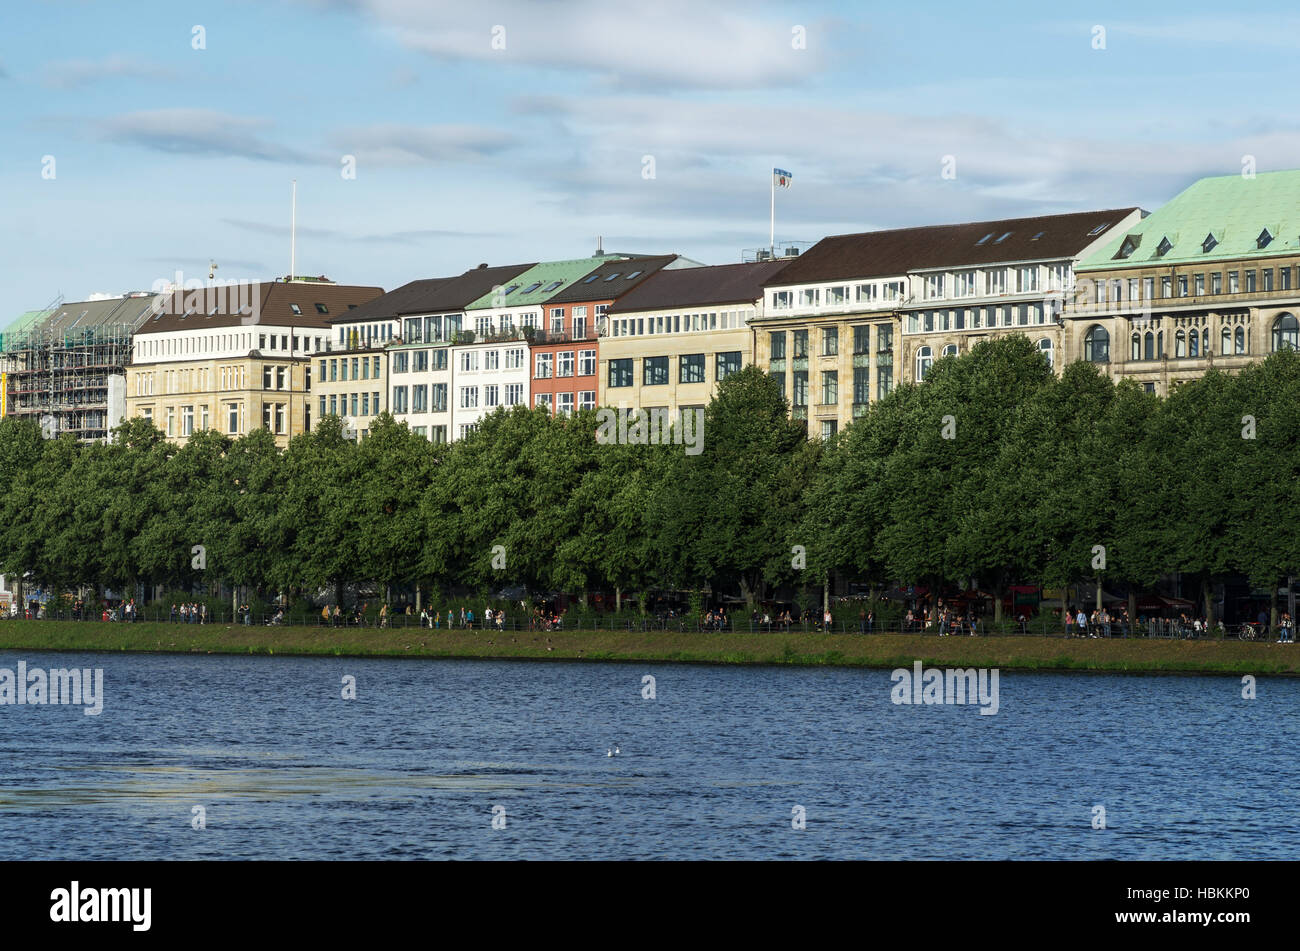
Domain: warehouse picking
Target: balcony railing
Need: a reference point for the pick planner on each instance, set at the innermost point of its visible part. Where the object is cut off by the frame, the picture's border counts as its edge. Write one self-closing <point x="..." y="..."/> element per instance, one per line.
<point x="550" y="336"/>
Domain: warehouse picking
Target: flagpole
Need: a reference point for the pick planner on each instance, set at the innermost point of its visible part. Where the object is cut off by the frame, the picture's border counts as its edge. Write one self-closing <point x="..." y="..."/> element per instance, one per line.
<point x="771" y="235"/>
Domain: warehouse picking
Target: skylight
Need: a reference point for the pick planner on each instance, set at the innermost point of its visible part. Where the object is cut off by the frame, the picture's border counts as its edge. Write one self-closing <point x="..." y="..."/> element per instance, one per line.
<point x="1099" y="229"/>
<point x="1164" y="247"/>
<point x="553" y="285"/>
<point x="295" y="308"/>
<point x="1037" y="236"/>
<point x="532" y="287"/>
<point x="612" y="276"/>
<point x="632" y="275"/>
<point x="1209" y="244"/>
<point x="590" y="279"/>
<point x="984" y="239"/>
<point x="1264" y="239"/>
<point x="1003" y="238"/>
<point x="322" y="309"/>
<point x="511" y="289"/>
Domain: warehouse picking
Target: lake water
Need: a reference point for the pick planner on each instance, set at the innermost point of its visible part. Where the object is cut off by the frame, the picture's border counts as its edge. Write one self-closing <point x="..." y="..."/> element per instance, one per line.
<point x="713" y="767"/>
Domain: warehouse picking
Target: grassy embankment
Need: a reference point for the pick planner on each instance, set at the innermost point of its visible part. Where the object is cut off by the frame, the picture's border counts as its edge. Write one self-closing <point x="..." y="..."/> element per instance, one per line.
<point x="840" y="650"/>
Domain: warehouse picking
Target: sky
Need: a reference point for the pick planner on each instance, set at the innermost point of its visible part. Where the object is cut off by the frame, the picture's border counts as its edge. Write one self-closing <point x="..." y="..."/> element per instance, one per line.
<point x="139" y="140"/>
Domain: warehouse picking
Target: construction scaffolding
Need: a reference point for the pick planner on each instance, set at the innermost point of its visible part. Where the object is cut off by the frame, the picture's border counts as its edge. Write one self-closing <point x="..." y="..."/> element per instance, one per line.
<point x="68" y="372"/>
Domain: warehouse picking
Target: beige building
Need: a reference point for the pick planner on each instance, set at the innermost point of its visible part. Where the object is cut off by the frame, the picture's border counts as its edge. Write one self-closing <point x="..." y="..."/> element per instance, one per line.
<point x="1211" y="279"/>
<point x="857" y="314"/>
<point x="666" y="343"/>
<point x="234" y="359"/>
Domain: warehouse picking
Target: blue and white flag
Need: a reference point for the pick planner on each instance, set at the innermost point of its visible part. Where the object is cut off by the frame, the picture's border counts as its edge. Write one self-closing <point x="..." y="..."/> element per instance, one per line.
<point x="781" y="177"/>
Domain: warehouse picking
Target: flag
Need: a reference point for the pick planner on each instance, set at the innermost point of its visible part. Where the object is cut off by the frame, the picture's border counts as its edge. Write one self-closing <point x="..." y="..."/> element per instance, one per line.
<point x="781" y="177"/>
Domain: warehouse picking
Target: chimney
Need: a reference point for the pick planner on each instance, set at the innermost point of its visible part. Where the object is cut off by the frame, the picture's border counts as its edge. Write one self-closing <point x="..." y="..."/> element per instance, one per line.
<point x="600" y="246"/>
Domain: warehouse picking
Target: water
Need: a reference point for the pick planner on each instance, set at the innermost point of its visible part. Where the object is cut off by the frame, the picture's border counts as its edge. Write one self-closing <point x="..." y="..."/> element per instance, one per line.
<point x="712" y="768"/>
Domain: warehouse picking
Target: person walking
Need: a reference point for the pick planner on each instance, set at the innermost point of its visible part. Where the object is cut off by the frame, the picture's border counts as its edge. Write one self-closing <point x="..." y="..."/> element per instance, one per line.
<point x="1082" y="622"/>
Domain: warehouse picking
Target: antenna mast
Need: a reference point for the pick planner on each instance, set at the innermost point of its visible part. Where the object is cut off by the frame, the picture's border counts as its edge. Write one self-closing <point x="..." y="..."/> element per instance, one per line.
<point x="293" y="232"/>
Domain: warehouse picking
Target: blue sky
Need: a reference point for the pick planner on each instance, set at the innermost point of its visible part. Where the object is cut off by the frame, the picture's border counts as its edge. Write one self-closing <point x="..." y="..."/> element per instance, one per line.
<point x="166" y="156"/>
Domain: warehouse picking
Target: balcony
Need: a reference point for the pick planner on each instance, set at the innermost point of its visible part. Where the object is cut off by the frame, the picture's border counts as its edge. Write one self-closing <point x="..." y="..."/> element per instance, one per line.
<point x="550" y="336"/>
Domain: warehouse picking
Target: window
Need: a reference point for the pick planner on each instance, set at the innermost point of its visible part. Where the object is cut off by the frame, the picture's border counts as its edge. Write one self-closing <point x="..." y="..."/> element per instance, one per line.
<point x="800" y="344"/>
<point x="187" y="420"/>
<point x="1286" y="333"/>
<point x="950" y="350"/>
<point x="419" y="399"/>
<point x="728" y="363"/>
<point x="545" y="366"/>
<point x="1166" y="286"/>
<point x="564" y="404"/>
<point x="491" y="395"/>
<point x="1240" y="339"/>
<point x="279" y="419"/>
<point x="924" y="360"/>
<point x="830" y="387"/>
<point x="1264" y="239"/>
<point x="1182" y="285"/>
<point x="861" y="385"/>
<point x="800" y="388"/>
<point x="514" y="394"/>
<point x="777" y="338"/>
<point x="837" y="296"/>
<point x="1216" y="283"/>
<point x="438" y="434"/>
<point x="420" y="361"/>
<point x="586" y="399"/>
<point x="933" y="286"/>
<point x="1164" y="247"/>
<point x="438" y="397"/>
<point x="564" y="363"/>
<point x="691" y="368"/>
<point x="861" y="339"/>
<point x="469" y="397"/>
<point x="1180" y="345"/>
<point x="546" y="400"/>
<point x="1234" y="286"/>
<point x="1199" y="285"/>
<point x="654" y="371"/>
<point x="963" y="284"/>
<point x="468" y="361"/>
<point x="1266" y="279"/>
<point x="995" y="281"/>
<point x="782" y="300"/>
<point x="1250" y="281"/>
<point x="1194" y="343"/>
<point x="884" y="381"/>
<point x="586" y="363"/>
<point x="1027" y="279"/>
<point x="365" y="403"/>
<point x="334" y="404"/>
<point x="620" y="372"/>
<point x="515" y="358"/>
<point x="401" y="362"/>
<point x="1045" y="348"/>
<point x="1209" y="244"/>
<point x="399" y="400"/>
<point x="1148" y="288"/>
<point x="830" y="341"/>
<point x="1225" y="341"/>
<point x="296" y="309"/>
<point x="1096" y="345"/>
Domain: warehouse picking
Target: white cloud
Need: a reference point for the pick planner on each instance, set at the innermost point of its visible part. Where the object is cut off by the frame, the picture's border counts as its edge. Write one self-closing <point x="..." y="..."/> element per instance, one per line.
<point x="198" y="132"/>
<point x="396" y="144"/>
<point x="67" y="74"/>
<point x="675" y="43"/>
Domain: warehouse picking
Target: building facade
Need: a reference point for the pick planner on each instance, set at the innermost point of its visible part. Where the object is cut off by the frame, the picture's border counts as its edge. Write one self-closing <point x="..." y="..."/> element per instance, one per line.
<point x="214" y="359"/>
<point x="1210" y="279"/>
<point x="671" y="340"/>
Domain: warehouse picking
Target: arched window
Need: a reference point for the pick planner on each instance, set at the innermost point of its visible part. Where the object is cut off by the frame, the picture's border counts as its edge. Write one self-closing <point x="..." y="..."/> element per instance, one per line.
<point x="1180" y="344"/>
<point x="1194" y="344"/>
<point x="924" y="360"/>
<point x="1225" y="345"/>
<point x="950" y="350"/>
<point x="1241" y="339"/>
<point x="1286" y="333"/>
<point x="1045" y="348"/>
<point x="1096" y="345"/>
<point x="1135" y="352"/>
<point x="1205" y="342"/>
<point x="1149" y="346"/>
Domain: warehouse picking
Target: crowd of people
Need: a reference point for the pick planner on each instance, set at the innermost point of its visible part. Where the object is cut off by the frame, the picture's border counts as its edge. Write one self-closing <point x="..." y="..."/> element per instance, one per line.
<point x="189" y="613"/>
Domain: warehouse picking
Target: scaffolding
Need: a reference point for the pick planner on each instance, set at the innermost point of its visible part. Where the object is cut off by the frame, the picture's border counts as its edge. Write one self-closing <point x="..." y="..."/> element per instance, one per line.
<point x="59" y="373"/>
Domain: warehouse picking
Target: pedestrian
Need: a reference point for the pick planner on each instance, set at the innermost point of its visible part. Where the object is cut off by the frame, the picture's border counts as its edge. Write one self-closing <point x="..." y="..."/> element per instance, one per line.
<point x="1082" y="622"/>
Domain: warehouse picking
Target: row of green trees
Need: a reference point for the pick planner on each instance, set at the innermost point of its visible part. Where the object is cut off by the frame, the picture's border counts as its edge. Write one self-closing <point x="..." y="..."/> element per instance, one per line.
<point x="994" y="471"/>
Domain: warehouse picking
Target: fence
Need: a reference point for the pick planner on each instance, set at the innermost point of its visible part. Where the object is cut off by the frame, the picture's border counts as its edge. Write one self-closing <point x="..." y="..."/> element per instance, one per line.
<point x="1156" y="627"/>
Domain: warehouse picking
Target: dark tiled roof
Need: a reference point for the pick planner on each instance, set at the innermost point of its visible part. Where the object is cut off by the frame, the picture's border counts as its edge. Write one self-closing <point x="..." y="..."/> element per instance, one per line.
<point x="407" y="299"/>
<point x="273" y="307"/>
<point x="692" y="286"/>
<point x="882" y="253"/>
<point x="459" y="292"/>
<point x="595" y="286"/>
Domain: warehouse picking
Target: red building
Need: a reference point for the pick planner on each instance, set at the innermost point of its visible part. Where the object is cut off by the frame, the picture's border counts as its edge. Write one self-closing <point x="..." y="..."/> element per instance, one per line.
<point x="563" y="349"/>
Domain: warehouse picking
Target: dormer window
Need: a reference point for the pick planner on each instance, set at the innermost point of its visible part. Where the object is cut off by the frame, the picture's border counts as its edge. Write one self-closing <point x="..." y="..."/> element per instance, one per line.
<point x="1264" y="240"/>
<point x="1129" y="246"/>
<point x="1164" y="247"/>
<point x="1209" y="244"/>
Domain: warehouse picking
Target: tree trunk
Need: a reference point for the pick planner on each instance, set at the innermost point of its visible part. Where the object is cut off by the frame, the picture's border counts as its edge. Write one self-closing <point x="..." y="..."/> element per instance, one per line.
<point x="618" y="599"/>
<point x="1209" y="604"/>
<point x="1272" y="605"/>
<point x="826" y="593"/>
<point x="417" y="599"/>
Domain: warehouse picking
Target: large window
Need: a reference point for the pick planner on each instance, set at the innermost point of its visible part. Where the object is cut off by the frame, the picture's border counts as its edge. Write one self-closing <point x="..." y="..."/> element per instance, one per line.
<point x="800" y="388"/>
<point x="728" y="363"/>
<point x="830" y="387"/>
<point x="399" y="400"/>
<point x="545" y="365"/>
<point x="586" y="362"/>
<point x="654" y="371"/>
<point x="924" y="360"/>
<point x="620" y="372"/>
<point x="800" y="344"/>
<point x="1286" y="333"/>
<point x="862" y="339"/>
<point x="777" y="338"/>
<point x="692" y="368"/>
<point x="861" y="384"/>
<point x="1096" y="345"/>
<point x="830" y="341"/>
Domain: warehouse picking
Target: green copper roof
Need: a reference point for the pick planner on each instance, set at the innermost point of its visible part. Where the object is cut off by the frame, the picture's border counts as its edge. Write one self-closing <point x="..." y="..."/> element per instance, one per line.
<point x="1234" y="210"/>
<point x="541" y="278"/>
<point x="18" y="327"/>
